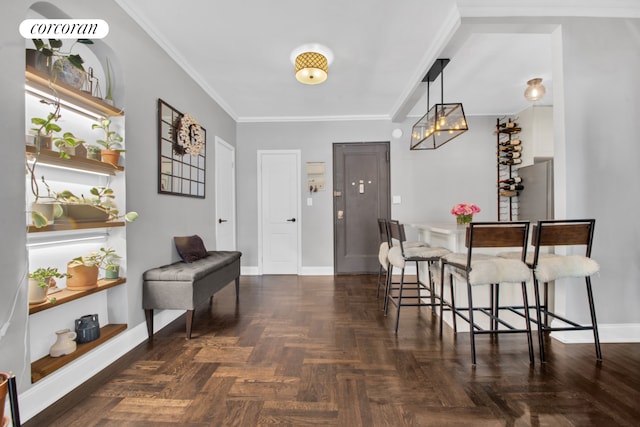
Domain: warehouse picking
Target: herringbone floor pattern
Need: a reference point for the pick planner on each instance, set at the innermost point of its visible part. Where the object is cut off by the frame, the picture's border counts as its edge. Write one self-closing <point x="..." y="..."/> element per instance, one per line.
<point x="318" y="351"/>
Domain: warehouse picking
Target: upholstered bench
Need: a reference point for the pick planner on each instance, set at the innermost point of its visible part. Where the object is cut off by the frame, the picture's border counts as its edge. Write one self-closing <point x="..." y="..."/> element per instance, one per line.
<point x="185" y="285"/>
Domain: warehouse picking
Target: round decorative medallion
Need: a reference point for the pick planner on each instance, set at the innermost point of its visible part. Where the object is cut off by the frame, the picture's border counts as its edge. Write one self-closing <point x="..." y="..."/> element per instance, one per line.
<point x="190" y="135"/>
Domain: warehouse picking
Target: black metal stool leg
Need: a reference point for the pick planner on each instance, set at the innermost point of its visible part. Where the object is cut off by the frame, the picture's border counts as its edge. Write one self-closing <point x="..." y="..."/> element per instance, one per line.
<point x="525" y="300"/>
<point x="594" y="323"/>
<point x="536" y="291"/>
<point x="471" y="327"/>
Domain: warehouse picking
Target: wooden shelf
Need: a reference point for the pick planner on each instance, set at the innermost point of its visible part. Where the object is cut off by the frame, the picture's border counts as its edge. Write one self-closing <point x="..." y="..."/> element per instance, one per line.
<point x="66" y="295"/>
<point x="52" y="158"/>
<point x="66" y="226"/>
<point x="41" y="82"/>
<point x="47" y="365"/>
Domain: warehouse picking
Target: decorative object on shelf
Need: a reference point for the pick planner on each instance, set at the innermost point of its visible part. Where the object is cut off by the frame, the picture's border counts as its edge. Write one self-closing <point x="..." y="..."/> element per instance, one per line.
<point x="67" y="144"/>
<point x="443" y="122"/>
<point x="45" y="213"/>
<point x="41" y="282"/>
<point x="112" y="142"/>
<point x="464" y="212"/>
<point x="68" y="73"/>
<point x="535" y="90"/>
<point x="87" y="328"/>
<point x="109" y="96"/>
<point x="64" y="344"/>
<point x="180" y="172"/>
<point x="311" y="63"/>
<point x="93" y="152"/>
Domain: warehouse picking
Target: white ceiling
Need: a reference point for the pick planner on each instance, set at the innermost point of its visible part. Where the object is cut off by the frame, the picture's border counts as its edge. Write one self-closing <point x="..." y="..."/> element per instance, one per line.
<point x="239" y="52"/>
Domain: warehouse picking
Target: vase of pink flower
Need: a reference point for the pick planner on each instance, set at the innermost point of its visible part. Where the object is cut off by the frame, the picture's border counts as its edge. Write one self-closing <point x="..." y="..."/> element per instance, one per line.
<point x="464" y="212"/>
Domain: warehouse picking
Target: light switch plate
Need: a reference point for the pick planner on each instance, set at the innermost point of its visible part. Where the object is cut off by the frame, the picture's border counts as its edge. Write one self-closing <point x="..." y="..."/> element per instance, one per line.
<point x="397" y="200"/>
<point x="309" y="201"/>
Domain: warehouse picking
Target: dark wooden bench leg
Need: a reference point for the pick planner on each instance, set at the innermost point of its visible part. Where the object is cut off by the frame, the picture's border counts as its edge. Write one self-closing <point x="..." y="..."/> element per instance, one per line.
<point x="237" y="289"/>
<point x="148" y="314"/>
<point x="189" y="322"/>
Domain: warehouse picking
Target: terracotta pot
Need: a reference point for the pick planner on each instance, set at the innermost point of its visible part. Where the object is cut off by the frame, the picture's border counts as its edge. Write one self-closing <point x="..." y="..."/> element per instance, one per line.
<point x="4" y="388"/>
<point x="110" y="156"/>
<point x="82" y="277"/>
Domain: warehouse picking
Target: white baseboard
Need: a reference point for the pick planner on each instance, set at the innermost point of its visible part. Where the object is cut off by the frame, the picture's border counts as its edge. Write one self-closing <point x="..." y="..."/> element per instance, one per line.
<point x="249" y="270"/>
<point x="609" y="333"/>
<point x="53" y="387"/>
<point x="316" y="271"/>
<point x="304" y="271"/>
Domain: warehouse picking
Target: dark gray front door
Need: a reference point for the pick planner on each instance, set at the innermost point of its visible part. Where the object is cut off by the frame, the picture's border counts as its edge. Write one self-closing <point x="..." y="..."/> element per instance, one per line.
<point x="361" y="195"/>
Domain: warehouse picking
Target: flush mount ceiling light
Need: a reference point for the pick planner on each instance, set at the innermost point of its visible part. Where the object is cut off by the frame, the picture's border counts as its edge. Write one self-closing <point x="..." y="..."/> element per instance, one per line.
<point x="443" y="122"/>
<point x="535" y="90"/>
<point x="311" y="63"/>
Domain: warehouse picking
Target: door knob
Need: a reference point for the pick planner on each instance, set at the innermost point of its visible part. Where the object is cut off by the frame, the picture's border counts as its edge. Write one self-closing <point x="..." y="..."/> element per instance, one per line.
<point x="220" y="220"/>
<point x="291" y="220"/>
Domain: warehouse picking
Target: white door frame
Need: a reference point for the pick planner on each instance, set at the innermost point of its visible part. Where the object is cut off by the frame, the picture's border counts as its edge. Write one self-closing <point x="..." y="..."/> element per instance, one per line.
<point x="260" y="153"/>
<point x="219" y="145"/>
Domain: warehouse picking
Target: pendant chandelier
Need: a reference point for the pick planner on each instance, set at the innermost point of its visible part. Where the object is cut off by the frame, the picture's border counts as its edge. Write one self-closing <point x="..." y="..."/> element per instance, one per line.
<point x="443" y="122"/>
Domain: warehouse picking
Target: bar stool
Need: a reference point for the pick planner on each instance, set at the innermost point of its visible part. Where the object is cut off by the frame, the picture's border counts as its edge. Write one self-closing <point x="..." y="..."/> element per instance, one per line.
<point x="550" y="267"/>
<point x="483" y="269"/>
<point x="382" y="255"/>
<point x="400" y="253"/>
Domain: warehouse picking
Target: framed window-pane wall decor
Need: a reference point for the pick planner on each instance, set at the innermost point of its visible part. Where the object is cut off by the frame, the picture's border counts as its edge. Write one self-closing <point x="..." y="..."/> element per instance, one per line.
<point x="181" y="153"/>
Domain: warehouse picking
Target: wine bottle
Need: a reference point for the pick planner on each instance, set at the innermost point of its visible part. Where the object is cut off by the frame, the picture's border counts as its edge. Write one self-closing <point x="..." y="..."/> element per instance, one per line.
<point x="510" y="161"/>
<point x="508" y="124"/>
<point x="508" y="193"/>
<point x="510" y="155"/>
<point x="514" y="187"/>
<point x="510" y="181"/>
<point x="511" y="148"/>
<point x="511" y="142"/>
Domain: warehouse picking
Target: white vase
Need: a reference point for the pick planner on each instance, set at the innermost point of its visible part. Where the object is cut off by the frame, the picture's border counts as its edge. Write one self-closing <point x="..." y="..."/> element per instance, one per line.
<point x="37" y="294"/>
<point x="64" y="344"/>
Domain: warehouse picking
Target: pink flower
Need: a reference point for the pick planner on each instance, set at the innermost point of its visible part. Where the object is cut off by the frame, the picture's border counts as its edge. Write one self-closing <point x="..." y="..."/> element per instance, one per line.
<point x="465" y="209"/>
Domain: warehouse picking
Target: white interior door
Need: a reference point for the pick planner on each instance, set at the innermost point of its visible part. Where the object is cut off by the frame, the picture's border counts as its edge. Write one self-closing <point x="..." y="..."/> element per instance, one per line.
<point x="225" y="196"/>
<point x="279" y="206"/>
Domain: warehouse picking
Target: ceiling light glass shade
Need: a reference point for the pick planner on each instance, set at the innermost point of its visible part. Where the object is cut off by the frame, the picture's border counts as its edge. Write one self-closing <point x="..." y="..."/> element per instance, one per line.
<point x="535" y="90"/>
<point x="312" y="68"/>
<point x="441" y="124"/>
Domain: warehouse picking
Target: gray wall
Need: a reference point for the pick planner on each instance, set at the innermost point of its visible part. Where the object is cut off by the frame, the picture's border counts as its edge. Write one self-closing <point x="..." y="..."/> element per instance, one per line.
<point x="146" y="73"/>
<point x="602" y="91"/>
<point x="429" y="182"/>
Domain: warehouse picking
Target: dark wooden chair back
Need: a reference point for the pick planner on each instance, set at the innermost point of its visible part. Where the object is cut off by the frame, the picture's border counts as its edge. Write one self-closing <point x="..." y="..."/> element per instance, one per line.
<point x="396" y="233"/>
<point x="497" y="234"/>
<point x="571" y="232"/>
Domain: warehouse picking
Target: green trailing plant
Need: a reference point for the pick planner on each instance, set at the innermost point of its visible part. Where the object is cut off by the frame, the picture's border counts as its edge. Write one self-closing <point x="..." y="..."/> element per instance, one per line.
<point x="101" y="198"/>
<point x="53" y="49"/>
<point x="112" y="140"/>
<point x="43" y="275"/>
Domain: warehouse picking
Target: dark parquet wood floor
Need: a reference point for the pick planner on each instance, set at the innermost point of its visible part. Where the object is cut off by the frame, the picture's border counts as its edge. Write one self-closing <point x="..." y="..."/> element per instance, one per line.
<point x="318" y="351"/>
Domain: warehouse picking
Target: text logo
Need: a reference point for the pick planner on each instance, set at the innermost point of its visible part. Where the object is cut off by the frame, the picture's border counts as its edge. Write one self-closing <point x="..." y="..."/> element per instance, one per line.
<point x="64" y="28"/>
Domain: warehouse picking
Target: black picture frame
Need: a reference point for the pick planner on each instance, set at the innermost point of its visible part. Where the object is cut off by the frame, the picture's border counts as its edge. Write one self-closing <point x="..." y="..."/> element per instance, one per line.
<point x="179" y="173"/>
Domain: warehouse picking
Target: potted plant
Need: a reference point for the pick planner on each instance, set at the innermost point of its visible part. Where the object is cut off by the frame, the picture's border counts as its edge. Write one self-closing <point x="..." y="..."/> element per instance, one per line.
<point x="84" y="269"/>
<point x="93" y="152"/>
<point x="60" y="64"/>
<point x="100" y="206"/>
<point x="111" y="264"/>
<point x="67" y="144"/>
<point x="40" y="281"/>
<point x="112" y="142"/>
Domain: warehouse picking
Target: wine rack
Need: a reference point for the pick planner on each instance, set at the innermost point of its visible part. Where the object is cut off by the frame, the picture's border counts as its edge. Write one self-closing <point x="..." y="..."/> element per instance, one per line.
<point x="509" y="155"/>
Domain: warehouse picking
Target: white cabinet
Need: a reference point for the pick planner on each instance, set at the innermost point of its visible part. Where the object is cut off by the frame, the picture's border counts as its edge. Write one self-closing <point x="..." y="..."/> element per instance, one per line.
<point x="55" y="244"/>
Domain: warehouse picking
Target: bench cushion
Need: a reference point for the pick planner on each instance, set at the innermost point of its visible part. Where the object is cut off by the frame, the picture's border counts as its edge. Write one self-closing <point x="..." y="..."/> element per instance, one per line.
<point x="182" y="271"/>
